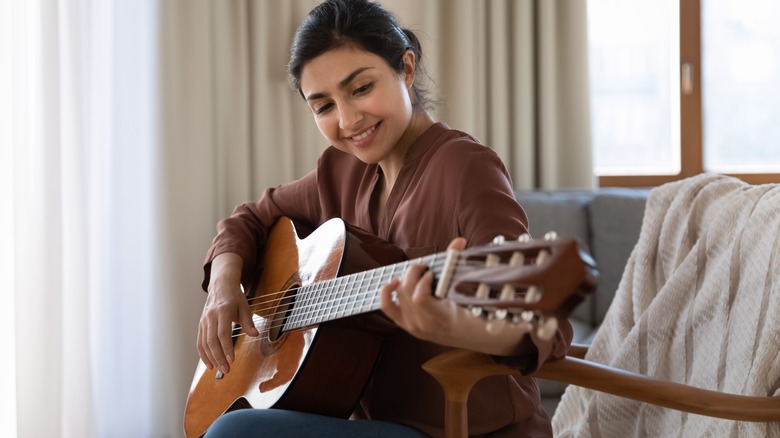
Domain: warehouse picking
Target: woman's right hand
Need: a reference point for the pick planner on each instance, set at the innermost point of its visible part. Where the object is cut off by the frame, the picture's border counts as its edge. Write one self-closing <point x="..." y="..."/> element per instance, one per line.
<point x="225" y="304"/>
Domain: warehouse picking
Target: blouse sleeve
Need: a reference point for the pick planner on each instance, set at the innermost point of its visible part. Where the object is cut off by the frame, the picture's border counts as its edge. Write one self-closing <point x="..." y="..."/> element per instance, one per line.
<point x="486" y="204"/>
<point x="488" y="207"/>
<point x="245" y="231"/>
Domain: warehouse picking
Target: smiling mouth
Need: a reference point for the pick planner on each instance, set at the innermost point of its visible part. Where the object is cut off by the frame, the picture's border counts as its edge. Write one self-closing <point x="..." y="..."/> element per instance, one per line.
<point x="365" y="134"/>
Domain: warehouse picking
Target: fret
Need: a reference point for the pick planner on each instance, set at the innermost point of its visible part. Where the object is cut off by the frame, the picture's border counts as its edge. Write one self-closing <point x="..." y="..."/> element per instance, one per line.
<point x="302" y="303"/>
<point x="347" y="296"/>
<point x="330" y="298"/>
<point x="350" y="294"/>
<point x="371" y="299"/>
<point x="369" y="286"/>
<point x="322" y="293"/>
<point x="325" y="300"/>
<point x="333" y="304"/>
<point x="312" y="303"/>
<point x="343" y="297"/>
<point x="388" y="272"/>
<point x="358" y="293"/>
<point x="375" y="287"/>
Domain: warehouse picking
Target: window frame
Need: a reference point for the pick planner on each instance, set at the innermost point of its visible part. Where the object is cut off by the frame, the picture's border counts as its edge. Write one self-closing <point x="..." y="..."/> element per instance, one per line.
<point x="691" y="127"/>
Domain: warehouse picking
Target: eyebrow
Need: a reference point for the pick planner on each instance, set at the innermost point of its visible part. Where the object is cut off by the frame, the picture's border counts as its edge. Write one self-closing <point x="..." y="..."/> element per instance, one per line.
<point x="343" y="83"/>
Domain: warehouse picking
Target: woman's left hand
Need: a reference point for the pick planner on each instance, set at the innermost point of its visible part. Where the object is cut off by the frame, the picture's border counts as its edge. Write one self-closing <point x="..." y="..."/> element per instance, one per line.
<point x="410" y="303"/>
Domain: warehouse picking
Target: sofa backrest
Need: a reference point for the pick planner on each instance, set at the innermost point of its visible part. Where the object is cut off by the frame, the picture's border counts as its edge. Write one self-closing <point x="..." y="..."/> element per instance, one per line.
<point x="606" y="220"/>
<point x="615" y="220"/>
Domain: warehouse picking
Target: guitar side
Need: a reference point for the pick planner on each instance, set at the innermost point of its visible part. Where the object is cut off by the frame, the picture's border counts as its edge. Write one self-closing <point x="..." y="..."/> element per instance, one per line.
<point x="321" y="369"/>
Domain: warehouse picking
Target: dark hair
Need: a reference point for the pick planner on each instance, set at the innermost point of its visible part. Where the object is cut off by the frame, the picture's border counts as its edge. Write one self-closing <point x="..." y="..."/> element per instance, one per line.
<point x="362" y="24"/>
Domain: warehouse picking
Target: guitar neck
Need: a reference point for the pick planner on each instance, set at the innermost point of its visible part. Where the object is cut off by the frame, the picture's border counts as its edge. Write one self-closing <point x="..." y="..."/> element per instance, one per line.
<point x="351" y="294"/>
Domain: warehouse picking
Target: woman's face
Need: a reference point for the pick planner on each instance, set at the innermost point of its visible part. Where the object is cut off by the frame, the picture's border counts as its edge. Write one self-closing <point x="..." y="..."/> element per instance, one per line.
<point x="361" y="105"/>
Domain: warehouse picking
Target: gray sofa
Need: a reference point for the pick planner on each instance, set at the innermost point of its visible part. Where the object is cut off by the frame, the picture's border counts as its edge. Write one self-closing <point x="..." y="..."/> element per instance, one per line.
<point x="607" y="221"/>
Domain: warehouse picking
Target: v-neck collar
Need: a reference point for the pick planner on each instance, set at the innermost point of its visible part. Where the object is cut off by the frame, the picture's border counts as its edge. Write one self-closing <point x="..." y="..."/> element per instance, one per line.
<point x="417" y="149"/>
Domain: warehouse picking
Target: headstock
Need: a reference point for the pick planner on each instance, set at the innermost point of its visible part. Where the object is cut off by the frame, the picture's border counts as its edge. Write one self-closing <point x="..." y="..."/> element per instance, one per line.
<point x="524" y="281"/>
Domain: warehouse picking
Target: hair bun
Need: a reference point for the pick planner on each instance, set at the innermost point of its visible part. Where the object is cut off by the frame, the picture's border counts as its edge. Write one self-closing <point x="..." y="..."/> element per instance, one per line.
<point x="413" y="41"/>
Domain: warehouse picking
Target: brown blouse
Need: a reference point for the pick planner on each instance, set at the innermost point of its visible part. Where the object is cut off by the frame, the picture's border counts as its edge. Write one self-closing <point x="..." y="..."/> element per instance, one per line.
<point x="449" y="186"/>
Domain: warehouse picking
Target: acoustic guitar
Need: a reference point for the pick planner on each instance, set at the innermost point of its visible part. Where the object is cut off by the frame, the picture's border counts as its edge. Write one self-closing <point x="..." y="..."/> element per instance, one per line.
<point x="308" y="358"/>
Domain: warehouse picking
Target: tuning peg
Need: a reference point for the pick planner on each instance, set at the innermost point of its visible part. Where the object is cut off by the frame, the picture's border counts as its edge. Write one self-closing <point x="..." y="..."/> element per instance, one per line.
<point x="532" y="295"/>
<point x="551" y="235"/>
<point x="518" y="259"/>
<point x="499" y="240"/>
<point x="524" y="238"/>
<point x="483" y="290"/>
<point x="507" y="292"/>
<point x="542" y="256"/>
<point x="501" y="313"/>
<point x="476" y="311"/>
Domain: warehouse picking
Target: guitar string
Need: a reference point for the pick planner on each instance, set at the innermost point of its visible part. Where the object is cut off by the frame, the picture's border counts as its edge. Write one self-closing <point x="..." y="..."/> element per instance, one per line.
<point x="269" y="329"/>
<point x="333" y="300"/>
<point x="326" y="310"/>
<point x="270" y="297"/>
<point x="528" y="327"/>
<point x="276" y="296"/>
<point x="340" y="290"/>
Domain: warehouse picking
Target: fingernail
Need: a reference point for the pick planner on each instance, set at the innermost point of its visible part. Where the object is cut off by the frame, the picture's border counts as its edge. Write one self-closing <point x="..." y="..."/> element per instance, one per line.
<point x="224" y="369"/>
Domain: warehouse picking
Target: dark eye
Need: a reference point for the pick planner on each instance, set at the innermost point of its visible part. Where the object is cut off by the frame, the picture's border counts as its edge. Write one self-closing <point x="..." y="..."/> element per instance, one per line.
<point x="322" y="108"/>
<point x="363" y="89"/>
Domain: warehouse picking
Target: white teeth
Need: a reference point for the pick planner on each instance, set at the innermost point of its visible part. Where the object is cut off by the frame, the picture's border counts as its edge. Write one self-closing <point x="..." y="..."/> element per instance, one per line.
<point x="364" y="134"/>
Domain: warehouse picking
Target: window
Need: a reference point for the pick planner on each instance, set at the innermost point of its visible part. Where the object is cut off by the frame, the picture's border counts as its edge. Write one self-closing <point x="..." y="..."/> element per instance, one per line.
<point x="682" y="86"/>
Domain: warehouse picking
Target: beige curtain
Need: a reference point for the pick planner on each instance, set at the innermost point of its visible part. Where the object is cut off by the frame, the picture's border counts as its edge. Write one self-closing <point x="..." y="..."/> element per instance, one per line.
<point x="103" y="224"/>
<point x="264" y="133"/>
<point x="512" y="73"/>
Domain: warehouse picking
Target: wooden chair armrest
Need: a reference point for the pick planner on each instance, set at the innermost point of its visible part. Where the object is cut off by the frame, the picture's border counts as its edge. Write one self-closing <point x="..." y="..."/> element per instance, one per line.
<point x="577" y="350"/>
<point x="458" y="370"/>
<point x="660" y="392"/>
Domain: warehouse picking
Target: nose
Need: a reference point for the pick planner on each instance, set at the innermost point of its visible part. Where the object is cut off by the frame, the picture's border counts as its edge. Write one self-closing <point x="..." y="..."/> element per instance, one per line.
<point x="350" y="116"/>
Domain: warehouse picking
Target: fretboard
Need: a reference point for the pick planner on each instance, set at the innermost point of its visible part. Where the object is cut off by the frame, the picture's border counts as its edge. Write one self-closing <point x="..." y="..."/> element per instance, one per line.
<point x="351" y="294"/>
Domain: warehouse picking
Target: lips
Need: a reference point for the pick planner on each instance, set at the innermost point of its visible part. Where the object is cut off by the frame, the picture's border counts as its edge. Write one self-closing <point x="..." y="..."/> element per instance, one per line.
<point x="365" y="137"/>
<point x="364" y="134"/>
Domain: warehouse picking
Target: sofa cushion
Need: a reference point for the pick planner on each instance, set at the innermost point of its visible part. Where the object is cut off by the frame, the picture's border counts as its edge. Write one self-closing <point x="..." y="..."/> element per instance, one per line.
<point x="615" y="220"/>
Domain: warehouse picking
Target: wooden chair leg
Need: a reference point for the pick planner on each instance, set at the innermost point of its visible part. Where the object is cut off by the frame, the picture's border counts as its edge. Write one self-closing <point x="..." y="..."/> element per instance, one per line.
<point x="457" y="371"/>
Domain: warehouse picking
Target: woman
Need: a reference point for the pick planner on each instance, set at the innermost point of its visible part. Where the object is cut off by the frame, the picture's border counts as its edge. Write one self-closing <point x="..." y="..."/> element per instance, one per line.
<point x="394" y="171"/>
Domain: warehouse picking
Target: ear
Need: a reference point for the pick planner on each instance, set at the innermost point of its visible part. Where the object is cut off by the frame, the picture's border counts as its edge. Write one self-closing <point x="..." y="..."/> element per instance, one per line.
<point x="409" y="70"/>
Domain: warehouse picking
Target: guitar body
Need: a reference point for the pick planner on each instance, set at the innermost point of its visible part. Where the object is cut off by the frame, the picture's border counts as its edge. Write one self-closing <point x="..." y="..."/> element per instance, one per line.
<point x="321" y="369"/>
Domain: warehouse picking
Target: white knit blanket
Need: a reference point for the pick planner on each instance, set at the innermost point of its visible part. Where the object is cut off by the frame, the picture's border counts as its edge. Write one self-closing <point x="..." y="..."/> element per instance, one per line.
<point x="699" y="303"/>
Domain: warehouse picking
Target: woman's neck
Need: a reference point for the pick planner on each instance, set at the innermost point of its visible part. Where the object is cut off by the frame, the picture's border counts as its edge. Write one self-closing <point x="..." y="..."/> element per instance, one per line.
<point x="392" y="164"/>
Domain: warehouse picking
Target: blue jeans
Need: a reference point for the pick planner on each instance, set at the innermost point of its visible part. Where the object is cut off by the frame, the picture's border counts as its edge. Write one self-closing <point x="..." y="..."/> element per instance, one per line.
<point x="274" y="423"/>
